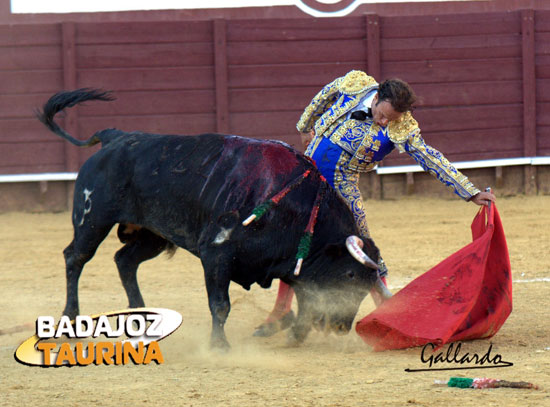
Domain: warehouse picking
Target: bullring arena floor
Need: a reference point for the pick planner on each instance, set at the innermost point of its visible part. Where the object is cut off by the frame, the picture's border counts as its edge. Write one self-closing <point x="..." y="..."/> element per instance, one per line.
<point x="413" y="234"/>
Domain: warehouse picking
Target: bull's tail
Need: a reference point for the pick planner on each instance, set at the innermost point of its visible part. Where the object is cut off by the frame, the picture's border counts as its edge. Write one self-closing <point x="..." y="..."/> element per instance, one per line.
<point x="65" y="99"/>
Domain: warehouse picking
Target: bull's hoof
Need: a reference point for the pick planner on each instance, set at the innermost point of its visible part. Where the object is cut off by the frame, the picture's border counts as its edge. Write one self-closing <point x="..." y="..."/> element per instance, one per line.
<point x="296" y="336"/>
<point x="219" y="345"/>
<point x="268" y="329"/>
<point x="71" y="313"/>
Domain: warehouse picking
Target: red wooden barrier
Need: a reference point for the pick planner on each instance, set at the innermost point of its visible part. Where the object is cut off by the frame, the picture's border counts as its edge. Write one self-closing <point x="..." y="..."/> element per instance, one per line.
<point x="483" y="79"/>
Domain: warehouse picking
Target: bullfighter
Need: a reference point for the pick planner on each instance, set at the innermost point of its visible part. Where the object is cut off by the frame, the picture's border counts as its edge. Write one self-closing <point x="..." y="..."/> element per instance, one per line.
<point x="347" y="129"/>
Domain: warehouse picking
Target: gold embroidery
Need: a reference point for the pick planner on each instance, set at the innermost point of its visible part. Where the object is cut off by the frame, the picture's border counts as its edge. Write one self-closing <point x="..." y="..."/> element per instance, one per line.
<point x="362" y="156"/>
<point x="400" y="130"/>
<point x="368" y="157"/>
<point x="347" y="129"/>
<point x="337" y="98"/>
<point x="347" y="185"/>
<point x="335" y="113"/>
<point x="322" y="101"/>
<point x="356" y="82"/>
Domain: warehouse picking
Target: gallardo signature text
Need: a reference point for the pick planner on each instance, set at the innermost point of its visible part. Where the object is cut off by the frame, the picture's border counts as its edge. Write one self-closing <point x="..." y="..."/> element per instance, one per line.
<point x="453" y="356"/>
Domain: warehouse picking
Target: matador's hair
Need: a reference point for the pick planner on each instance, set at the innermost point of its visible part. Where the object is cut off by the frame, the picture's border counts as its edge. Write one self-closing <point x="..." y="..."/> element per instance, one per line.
<point x="398" y="93"/>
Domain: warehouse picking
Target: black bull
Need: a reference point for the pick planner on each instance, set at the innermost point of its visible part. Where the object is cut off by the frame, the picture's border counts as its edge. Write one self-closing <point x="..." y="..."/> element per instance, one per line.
<point x="194" y="192"/>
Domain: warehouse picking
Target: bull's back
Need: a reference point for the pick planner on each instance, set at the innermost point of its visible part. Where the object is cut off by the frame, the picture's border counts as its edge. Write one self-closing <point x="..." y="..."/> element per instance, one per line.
<point x="178" y="185"/>
<point x="213" y="173"/>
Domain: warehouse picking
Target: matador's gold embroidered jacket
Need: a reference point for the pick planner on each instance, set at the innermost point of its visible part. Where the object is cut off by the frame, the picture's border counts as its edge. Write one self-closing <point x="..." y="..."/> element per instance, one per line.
<point x="365" y="141"/>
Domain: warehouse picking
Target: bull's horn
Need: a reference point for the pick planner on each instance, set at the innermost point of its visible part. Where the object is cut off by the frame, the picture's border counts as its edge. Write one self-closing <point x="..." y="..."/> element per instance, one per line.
<point x="381" y="288"/>
<point x="355" y="248"/>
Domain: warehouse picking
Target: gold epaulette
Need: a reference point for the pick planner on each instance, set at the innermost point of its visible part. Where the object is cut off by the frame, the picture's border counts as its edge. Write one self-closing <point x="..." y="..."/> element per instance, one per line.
<point x="356" y="82"/>
<point x="400" y="130"/>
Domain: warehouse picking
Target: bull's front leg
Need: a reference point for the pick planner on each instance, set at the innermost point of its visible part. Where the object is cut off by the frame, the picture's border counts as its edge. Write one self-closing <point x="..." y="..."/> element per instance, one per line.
<point x="302" y="325"/>
<point x="217" y="286"/>
<point x="218" y="301"/>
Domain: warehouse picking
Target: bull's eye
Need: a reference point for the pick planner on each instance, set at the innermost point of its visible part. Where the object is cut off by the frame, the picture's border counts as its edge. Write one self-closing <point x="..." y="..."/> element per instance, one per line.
<point x="350" y="274"/>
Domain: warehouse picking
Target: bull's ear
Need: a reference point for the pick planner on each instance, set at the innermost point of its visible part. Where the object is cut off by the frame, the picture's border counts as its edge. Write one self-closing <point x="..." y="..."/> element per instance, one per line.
<point x="335" y="250"/>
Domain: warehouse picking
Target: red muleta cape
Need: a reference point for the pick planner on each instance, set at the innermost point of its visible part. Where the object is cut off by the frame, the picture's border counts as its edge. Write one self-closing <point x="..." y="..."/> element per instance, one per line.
<point x="466" y="296"/>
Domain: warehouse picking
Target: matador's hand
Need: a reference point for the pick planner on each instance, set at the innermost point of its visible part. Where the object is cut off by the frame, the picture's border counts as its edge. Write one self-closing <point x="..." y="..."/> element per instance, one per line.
<point x="483" y="198"/>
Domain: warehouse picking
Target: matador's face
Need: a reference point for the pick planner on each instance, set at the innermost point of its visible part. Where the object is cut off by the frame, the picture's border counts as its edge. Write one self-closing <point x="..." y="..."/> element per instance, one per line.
<point x="383" y="112"/>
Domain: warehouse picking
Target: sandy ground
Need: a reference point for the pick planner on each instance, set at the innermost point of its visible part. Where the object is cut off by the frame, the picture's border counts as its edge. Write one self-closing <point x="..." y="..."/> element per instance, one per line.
<point x="413" y="234"/>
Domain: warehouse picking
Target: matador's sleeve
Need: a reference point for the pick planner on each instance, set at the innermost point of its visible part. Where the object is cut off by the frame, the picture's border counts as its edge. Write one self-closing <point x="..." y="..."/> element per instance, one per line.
<point x="432" y="161"/>
<point x="319" y="104"/>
